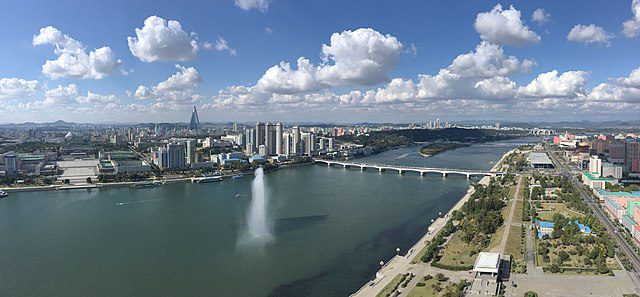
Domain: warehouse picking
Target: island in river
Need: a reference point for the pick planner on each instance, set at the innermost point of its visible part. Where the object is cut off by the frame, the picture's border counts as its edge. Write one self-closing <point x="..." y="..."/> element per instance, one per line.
<point x="435" y="148"/>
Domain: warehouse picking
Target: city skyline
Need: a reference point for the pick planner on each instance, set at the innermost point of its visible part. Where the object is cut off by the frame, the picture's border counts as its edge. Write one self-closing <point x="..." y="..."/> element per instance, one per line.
<point x="491" y="61"/>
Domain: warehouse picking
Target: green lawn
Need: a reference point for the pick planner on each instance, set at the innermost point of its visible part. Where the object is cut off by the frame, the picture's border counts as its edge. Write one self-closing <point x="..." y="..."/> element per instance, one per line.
<point x="426" y="291"/>
<point x="456" y="252"/>
<point x="517" y="212"/>
<point x="549" y="209"/>
<point x="515" y="247"/>
<point x="391" y="286"/>
<point x="495" y="238"/>
<point x="575" y="261"/>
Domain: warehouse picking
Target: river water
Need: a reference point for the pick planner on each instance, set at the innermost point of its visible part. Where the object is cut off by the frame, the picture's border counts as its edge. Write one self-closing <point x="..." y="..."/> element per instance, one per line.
<point x="331" y="227"/>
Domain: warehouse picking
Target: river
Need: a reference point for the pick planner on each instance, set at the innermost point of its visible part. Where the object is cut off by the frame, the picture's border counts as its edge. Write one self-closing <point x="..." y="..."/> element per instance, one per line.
<point x="331" y="228"/>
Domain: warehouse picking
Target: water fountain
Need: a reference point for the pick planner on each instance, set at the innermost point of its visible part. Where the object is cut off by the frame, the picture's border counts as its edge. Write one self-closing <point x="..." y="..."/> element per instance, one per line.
<point x="258" y="223"/>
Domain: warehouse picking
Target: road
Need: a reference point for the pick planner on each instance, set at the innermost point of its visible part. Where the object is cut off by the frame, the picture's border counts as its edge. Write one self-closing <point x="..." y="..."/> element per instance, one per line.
<point x="599" y="213"/>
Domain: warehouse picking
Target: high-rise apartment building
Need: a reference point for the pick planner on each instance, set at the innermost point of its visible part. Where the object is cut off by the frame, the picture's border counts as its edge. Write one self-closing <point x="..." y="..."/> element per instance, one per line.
<point x="176" y="158"/>
<point x="278" y="150"/>
<point x="191" y="151"/>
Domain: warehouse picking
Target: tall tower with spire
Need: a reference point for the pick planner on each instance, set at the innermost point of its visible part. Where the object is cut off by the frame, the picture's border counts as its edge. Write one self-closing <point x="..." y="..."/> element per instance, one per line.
<point x="194" y="125"/>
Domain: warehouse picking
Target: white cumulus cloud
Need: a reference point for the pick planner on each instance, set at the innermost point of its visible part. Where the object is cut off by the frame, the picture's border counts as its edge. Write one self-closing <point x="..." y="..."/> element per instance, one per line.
<point x="504" y="27"/>
<point x="161" y="40"/>
<point x="540" y="16"/>
<point x="631" y="28"/>
<point x="72" y="59"/>
<point x="590" y="34"/>
<point x="549" y="84"/>
<point x="361" y="57"/>
<point x="178" y="87"/>
<point x="12" y="87"/>
<point x="223" y="45"/>
<point x="624" y="89"/>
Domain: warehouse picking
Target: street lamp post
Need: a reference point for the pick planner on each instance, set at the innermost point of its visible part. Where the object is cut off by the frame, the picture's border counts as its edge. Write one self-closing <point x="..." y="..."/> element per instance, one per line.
<point x="398" y="251"/>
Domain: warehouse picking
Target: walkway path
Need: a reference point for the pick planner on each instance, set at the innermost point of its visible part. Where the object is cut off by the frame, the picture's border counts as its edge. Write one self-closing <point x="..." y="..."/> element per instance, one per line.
<point x="505" y="235"/>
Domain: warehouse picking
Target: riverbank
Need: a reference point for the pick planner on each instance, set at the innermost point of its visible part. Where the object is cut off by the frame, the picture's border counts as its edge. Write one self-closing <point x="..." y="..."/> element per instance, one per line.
<point x="400" y="264"/>
<point x="130" y="183"/>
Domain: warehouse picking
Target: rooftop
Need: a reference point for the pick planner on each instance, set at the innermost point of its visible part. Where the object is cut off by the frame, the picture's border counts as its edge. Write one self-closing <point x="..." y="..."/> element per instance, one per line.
<point x="539" y="158"/>
<point x="487" y="262"/>
<point x="590" y="176"/>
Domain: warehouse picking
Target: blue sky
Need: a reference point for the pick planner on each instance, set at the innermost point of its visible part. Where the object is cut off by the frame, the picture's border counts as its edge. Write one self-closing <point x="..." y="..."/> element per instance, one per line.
<point x="412" y="39"/>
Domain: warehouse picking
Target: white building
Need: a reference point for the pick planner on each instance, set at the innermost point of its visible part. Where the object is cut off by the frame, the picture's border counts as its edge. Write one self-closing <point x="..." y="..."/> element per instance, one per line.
<point x="595" y="166"/>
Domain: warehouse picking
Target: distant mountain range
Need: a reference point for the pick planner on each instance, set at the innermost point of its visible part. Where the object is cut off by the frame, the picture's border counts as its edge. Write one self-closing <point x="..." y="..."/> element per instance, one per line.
<point x="556" y="125"/>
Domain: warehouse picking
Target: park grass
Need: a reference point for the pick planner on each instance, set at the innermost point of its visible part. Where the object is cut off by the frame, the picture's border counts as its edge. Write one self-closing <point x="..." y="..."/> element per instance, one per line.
<point x="546" y="214"/>
<point x="389" y="288"/>
<point x="456" y="252"/>
<point x="515" y="244"/>
<point x="495" y="238"/>
<point x="575" y="261"/>
<point x="515" y="247"/>
<point x="425" y="291"/>
<point x="517" y="215"/>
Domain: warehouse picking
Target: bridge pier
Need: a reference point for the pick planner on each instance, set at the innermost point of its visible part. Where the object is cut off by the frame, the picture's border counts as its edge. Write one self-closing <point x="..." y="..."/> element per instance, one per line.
<point x="345" y="165"/>
<point x="362" y="168"/>
<point x="380" y="170"/>
<point x="400" y="171"/>
<point x="422" y="173"/>
<point x="444" y="174"/>
<point x="468" y="176"/>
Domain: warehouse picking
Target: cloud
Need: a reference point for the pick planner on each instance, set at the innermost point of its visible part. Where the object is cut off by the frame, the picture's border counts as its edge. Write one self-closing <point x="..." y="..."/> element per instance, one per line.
<point x="222" y="45"/>
<point x="353" y="58"/>
<point x="97" y="98"/>
<point x="178" y="87"/>
<point x="72" y="59"/>
<point x="61" y="95"/>
<point x="13" y="87"/>
<point x="268" y="30"/>
<point x="568" y="84"/>
<point x="504" y="27"/>
<point x="479" y="74"/>
<point x="161" y="40"/>
<point x="623" y="89"/>
<point x="261" y="5"/>
<point x="540" y="16"/>
<point x="590" y="34"/>
<point x="631" y="28"/>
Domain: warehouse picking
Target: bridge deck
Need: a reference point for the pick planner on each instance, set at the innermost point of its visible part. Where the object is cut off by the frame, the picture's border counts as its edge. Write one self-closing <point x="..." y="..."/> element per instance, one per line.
<point x="402" y="169"/>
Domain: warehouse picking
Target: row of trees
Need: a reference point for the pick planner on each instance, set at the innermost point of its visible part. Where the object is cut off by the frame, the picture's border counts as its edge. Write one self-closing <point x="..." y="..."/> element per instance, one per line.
<point x="482" y="213"/>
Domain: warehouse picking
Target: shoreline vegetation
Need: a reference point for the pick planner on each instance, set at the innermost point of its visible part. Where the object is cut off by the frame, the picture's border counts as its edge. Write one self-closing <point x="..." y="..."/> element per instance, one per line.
<point x="380" y="141"/>
<point x="436" y="148"/>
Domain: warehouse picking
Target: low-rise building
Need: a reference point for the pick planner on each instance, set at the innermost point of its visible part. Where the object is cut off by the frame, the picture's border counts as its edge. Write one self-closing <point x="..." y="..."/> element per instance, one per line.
<point x="540" y="160"/>
<point x="594" y="182"/>
<point x="628" y="222"/>
<point x="545" y="228"/>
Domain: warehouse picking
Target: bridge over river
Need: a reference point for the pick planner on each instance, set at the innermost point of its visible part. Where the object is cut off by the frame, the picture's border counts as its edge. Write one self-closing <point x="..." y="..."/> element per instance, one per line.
<point x="402" y="169"/>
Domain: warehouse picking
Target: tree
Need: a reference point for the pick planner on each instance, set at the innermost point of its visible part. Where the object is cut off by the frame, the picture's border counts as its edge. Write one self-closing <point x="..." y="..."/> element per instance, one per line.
<point x="554" y="268"/>
<point x="89" y="181"/>
<point x="563" y="256"/>
<point x="530" y="294"/>
<point x="441" y="278"/>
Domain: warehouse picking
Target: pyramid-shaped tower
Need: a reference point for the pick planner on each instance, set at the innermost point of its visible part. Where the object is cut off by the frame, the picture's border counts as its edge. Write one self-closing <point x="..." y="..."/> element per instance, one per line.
<point x="194" y="125"/>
